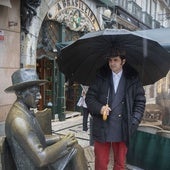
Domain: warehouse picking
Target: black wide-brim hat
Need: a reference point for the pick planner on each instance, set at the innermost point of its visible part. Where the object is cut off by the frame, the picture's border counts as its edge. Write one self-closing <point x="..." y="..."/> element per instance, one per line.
<point x="23" y="78"/>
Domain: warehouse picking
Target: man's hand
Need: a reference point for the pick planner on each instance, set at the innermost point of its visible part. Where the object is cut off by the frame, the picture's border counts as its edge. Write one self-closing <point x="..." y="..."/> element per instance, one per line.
<point x="105" y="111"/>
<point x="135" y="124"/>
<point x="70" y="140"/>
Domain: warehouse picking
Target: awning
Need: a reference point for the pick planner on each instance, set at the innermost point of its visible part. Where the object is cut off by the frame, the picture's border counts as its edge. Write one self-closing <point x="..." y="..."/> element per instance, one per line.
<point x="61" y="45"/>
<point x="161" y="35"/>
<point x="6" y="3"/>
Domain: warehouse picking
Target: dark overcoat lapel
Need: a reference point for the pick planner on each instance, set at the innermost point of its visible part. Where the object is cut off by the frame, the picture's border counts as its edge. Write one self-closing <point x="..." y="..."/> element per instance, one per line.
<point x="117" y="97"/>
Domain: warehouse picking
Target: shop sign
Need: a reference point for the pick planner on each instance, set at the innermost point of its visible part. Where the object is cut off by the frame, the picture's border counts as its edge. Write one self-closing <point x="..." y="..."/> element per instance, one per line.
<point x="75" y="14"/>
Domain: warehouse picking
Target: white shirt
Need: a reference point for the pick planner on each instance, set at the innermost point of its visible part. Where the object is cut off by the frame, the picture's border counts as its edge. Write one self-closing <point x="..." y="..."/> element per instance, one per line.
<point x="116" y="79"/>
<point x="83" y="94"/>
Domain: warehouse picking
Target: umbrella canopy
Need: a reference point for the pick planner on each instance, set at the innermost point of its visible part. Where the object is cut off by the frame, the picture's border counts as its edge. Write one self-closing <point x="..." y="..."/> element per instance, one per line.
<point x="81" y="60"/>
<point x="161" y="35"/>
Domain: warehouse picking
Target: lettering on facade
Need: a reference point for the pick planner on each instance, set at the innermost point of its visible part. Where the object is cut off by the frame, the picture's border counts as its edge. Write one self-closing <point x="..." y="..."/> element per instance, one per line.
<point x="75" y="14"/>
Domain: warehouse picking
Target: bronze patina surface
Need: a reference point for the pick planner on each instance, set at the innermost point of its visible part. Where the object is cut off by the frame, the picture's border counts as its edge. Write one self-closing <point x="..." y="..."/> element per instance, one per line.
<point x="30" y="148"/>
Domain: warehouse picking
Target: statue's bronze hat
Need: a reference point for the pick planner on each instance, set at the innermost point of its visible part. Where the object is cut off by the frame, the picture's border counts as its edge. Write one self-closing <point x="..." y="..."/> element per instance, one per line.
<point x="24" y="78"/>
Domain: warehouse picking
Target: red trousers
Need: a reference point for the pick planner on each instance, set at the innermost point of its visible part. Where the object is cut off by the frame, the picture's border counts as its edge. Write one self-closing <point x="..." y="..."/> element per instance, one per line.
<point x="102" y="152"/>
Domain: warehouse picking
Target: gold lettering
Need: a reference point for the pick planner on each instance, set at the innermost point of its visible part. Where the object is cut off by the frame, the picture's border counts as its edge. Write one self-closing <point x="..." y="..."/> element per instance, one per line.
<point x="84" y="7"/>
<point x="55" y="8"/>
<point x="87" y="11"/>
<point x="58" y="6"/>
<point x="81" y="5"/>
<point x="93" y="19"/>
<point x="90" y="14"/>
<point x="64" y="3"/>
<point x="69" y="3"/>
<point x="73" y="2"/>
<point x="76" y="3"/>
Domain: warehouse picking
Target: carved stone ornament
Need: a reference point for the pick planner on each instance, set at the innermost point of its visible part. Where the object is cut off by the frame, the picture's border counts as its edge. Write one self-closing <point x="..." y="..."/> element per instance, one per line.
<point x="28" y="11"/>
<point x="74" y="19"/>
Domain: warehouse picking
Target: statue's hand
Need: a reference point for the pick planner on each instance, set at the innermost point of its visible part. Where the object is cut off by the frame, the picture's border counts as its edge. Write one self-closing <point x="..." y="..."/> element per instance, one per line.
<point x="70" y="140"/>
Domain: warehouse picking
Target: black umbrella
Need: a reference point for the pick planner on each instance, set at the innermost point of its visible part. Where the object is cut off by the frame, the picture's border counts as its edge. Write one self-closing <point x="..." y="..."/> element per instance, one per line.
<point x="161" y="35"/>
<point x="81" y="60"/>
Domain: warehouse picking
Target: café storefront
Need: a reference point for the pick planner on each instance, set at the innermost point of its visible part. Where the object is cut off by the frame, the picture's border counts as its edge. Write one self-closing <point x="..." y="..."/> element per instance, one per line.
<point x="64" y="23"/>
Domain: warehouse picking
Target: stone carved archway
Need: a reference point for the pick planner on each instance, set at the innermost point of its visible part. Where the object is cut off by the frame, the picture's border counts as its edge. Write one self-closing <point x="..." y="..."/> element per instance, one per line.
<point x="29" y="36"/>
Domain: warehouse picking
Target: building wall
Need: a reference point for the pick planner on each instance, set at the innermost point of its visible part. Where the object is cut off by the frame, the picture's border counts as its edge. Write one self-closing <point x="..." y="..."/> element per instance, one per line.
<point x="9" y="52"/>
<point x="158" y="9"/>
<point x="19" y="49"/>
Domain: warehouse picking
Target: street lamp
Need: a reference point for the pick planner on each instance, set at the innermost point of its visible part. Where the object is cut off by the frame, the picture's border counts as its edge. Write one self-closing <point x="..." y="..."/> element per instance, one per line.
<point x="107" y="13"/>
<point x="108" y="21"/>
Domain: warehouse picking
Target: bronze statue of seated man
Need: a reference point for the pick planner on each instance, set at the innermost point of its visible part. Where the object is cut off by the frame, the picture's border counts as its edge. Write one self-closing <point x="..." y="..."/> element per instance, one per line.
<point x="30" y="148"/>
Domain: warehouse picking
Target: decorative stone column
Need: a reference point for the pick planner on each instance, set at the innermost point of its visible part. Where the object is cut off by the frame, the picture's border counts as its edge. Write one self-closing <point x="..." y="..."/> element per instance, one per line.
<point x="32" y="16"/>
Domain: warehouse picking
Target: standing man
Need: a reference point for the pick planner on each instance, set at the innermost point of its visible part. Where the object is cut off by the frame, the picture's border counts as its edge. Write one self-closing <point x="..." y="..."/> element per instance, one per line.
<point x="30" y="148"/>
<point x="84" y="108"/>
<point x="116" y="101"/>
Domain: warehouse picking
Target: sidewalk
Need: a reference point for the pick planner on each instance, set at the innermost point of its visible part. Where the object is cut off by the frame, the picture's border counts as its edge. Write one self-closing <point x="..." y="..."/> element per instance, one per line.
<point x="73" y="124"/>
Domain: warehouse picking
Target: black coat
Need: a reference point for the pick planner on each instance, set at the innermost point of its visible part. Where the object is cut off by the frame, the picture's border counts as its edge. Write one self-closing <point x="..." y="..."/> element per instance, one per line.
<point x="135" y="100"/>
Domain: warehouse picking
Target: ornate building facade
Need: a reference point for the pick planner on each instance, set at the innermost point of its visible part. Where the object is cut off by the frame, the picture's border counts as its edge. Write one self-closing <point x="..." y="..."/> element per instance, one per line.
<point x="31" y="33"/>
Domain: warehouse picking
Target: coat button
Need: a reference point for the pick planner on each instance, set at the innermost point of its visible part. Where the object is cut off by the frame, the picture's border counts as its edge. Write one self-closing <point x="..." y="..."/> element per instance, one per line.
<point x="119" y="115"/>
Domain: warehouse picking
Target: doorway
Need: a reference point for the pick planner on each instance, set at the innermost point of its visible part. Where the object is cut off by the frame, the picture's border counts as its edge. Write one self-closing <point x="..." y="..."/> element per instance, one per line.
<point x="52" y="33"/>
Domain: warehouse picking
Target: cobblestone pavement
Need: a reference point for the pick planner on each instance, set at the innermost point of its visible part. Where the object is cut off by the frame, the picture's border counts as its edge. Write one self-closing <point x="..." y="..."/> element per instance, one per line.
<point x="73" y="124"/>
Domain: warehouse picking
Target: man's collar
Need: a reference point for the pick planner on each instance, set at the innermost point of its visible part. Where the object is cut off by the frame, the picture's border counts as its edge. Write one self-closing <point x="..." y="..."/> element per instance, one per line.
<point x="118" y="74"/>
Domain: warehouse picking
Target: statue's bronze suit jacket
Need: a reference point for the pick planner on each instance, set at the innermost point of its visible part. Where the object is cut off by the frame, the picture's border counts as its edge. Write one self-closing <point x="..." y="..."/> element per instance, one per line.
<point x="27" y="142"/>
